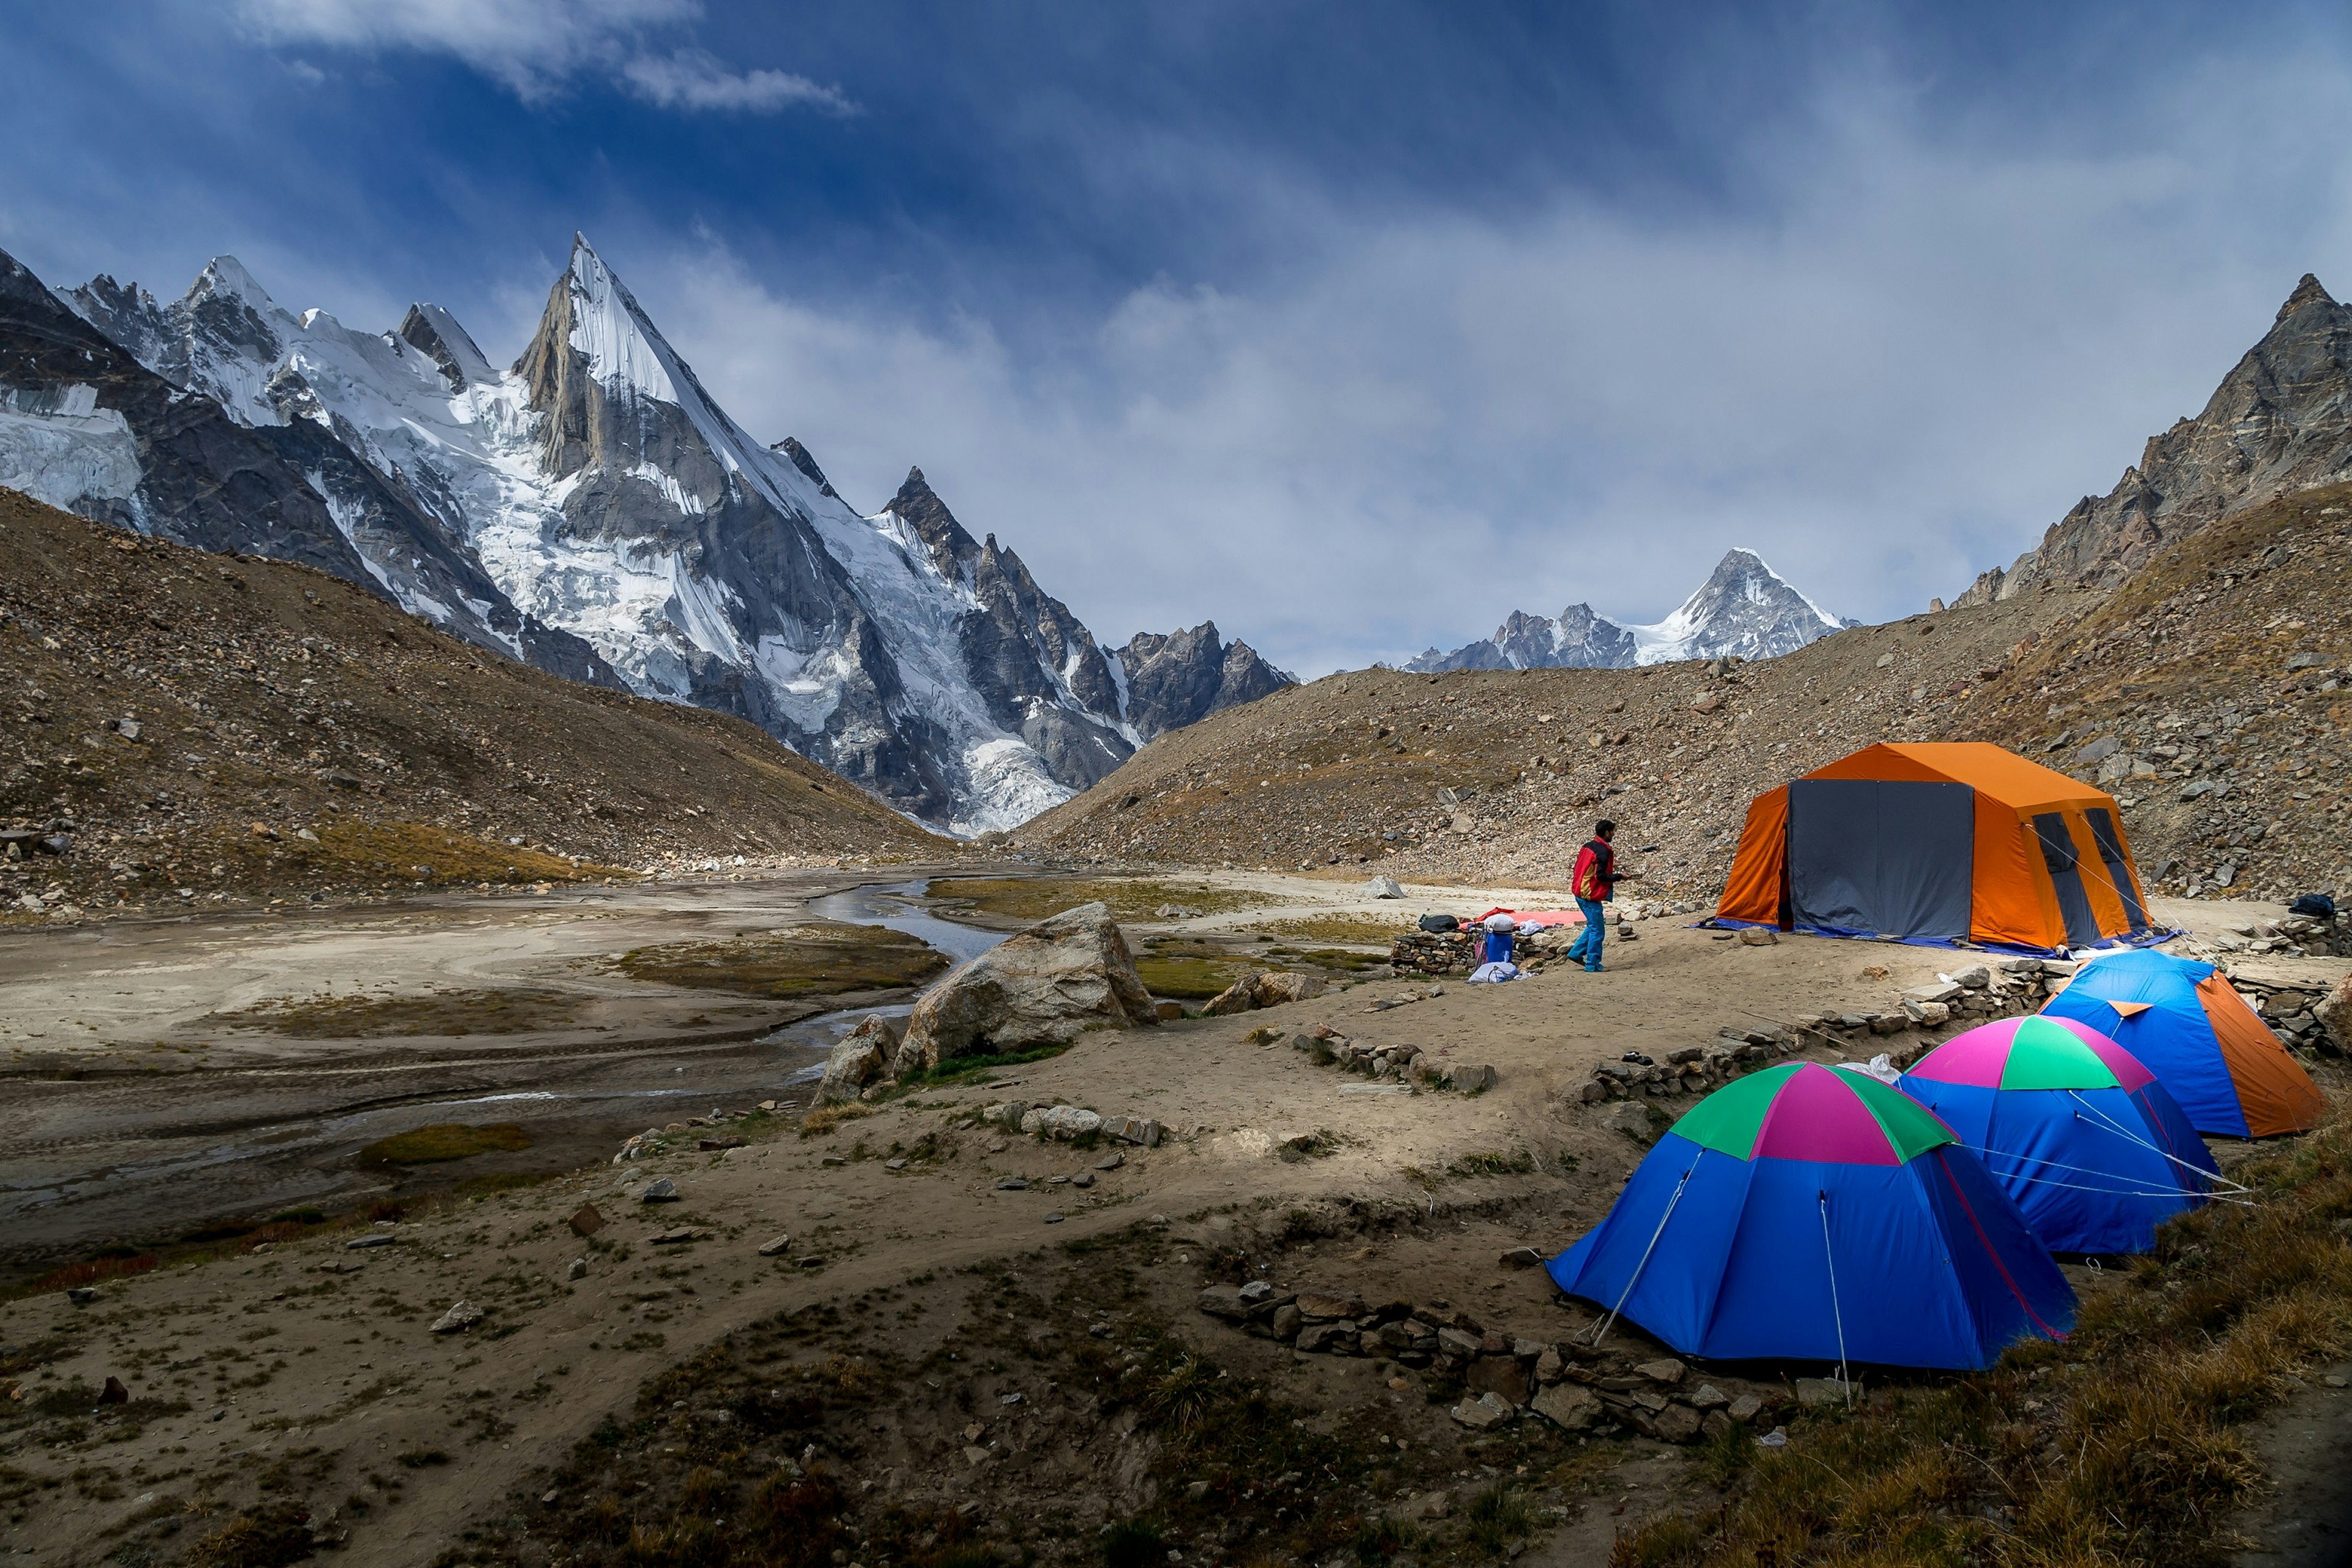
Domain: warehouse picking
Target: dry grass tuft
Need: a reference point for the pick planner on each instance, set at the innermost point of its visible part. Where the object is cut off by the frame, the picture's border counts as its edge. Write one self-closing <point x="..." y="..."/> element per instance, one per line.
<point x="2119" y="1446"/>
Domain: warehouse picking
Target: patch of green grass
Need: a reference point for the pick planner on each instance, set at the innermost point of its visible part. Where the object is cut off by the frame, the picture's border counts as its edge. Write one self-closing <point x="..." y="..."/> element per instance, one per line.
<point x="805" y="961"/>
<point x="972" y="1068"/>
<point x="445" y="1140"/>
<point x="451" y="1012"/>
<point x="1490" y="1162"/>
<point x="1189" y="979"/>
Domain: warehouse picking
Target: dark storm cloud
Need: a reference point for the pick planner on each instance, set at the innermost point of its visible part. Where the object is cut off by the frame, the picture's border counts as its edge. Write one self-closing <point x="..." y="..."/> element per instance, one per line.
<point x="1352" y="327"/>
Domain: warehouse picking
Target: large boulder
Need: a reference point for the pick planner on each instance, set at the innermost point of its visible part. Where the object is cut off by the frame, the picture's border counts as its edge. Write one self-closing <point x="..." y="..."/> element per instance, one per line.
<point x="862" y="1056"/>
<point x="1044" y="986"/>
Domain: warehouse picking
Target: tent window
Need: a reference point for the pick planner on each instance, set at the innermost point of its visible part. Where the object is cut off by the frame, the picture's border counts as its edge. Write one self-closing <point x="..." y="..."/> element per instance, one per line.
<point x="2058" y="855"/>
<point x="2111" y="852"/>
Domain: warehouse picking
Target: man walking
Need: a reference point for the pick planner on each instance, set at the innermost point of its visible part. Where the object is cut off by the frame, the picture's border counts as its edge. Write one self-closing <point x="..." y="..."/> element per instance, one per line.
<point x="1594" y="883"/>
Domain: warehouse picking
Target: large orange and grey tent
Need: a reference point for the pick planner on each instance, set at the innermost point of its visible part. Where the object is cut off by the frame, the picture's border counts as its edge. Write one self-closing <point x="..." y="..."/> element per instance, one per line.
<point x="1957" y="841"/>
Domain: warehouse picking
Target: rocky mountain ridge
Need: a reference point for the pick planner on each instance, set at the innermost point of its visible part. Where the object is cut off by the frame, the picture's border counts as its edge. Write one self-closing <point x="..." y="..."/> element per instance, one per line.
<point x="592" y="510"/>
<point x="1744" y="609"/>
<point x="2280" y="421"/>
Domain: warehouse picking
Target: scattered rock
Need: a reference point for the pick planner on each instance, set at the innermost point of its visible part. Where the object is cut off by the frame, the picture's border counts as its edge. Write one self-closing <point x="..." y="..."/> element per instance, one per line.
<point x="1131" y="1129"/>
<point x="458" y="1319"/>
<point x="776" y="1246"/>
<point x="660" y="1191"/>
<point x="585" y="1220"/>
<point x="1632" y="1117"/>
<point x="1384" y="887"/>
<point x="360" y="1244"/>
<point x="1746" y="1408"/>
<point x="1666" y="1370"/>
<point x="1568" y="1405"/>
<point x="1823" y="1390"/>
<point x="1012" y="1184"/>
<point x="114" y="1392"/>
<point x="1062" y="1123"/>
<point x="1046" y="985"/>
<point x="1322" y="1307"/>
<point x="1486" y="1412"/>
<point x="1468" y="1078"/>
<point x="1167" y="1012"/>
<point x="576" y="1269"/>
<point x="679" y="1236"/>
<point x="1114" y="1160"/>
<point x="1427" y="1505"/>
<point x="1759" y="936"/>
<point x="81" y="1295"/>
<point x="1676" y="1424"/>
<point x="1054" y="1219"/>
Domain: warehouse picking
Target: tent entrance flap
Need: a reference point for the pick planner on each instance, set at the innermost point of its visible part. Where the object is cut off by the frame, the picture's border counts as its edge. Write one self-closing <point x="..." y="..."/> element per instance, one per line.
<point x="1886" y="857"/>
<point x="2119" y="872"/>
<point x="2066" y="877"/>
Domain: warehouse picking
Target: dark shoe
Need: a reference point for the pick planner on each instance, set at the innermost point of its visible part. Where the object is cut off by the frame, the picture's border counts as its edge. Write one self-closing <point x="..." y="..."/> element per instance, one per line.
<point x="1592" y="969"/>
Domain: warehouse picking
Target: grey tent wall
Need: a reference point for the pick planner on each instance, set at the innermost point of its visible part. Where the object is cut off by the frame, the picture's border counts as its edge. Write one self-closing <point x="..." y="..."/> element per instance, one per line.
<point x="1883" y="858"/>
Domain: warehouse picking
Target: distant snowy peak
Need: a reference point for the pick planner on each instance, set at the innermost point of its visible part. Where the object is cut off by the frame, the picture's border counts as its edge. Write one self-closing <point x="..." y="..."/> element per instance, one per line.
<point x="1744" y="608"/>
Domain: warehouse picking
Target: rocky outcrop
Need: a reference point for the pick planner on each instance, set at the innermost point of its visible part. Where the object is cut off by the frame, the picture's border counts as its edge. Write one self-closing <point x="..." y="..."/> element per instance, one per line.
<point x="1035" y="665"/>
<point x="1044" y="986"/>
<point x="1183" y="678"/>
<point x="1743" y="610"/>
<point x="861" y="1056"/>
<point x="1266" y="988"/>
<point x="2280" y="421"/>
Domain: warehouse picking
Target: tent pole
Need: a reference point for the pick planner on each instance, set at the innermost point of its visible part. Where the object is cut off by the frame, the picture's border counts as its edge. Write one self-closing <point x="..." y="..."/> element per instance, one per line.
<point x="1599" y="1333"/>
<point x="1837" y="1315"/>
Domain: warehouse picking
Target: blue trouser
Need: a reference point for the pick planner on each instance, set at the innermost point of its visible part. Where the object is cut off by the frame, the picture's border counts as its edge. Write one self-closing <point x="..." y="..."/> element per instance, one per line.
<point x="1588" y="946"/>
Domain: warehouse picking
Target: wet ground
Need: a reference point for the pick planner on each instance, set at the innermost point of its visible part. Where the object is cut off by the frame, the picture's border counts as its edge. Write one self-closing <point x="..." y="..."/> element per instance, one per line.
<point x="129" y="1115"/>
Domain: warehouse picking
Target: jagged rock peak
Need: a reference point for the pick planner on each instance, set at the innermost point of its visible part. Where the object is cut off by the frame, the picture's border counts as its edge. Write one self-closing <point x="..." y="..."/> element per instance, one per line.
<point x="1180" y="678"/>
<point x="2307" y="292"/>
<point x="435" y="333"/>
<point x="2280" y="421"/>
<point x="798" y="456"/>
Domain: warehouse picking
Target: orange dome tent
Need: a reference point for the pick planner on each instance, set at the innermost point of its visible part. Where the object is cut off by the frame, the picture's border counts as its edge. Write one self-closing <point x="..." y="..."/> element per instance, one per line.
<point x="1940" y="842"/>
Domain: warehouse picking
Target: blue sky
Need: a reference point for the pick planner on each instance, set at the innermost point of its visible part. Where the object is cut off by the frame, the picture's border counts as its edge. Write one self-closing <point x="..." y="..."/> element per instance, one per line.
<point x="1351" y="326"/>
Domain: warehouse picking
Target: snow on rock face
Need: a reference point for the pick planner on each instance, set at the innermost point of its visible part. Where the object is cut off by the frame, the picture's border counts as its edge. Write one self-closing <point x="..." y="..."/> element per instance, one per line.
<point x="57" y="446"/>
<point x="1744" y="608"/>
<point x="594" y="510"/>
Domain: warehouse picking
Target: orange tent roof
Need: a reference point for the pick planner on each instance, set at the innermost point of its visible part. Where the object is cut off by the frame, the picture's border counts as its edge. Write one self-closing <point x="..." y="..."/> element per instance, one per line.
<point x="2007" y="777"/>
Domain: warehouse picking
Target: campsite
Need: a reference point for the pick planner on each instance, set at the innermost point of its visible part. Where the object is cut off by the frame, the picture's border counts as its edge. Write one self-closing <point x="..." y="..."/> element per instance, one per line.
<point x="1200" y="786"/>
<point x="1579" y="1242"/>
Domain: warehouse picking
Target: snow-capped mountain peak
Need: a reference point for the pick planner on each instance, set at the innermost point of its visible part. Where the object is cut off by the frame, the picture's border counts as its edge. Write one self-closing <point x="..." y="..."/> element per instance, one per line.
<point x="1744" y="608"/>
<point x="594" y="510"/>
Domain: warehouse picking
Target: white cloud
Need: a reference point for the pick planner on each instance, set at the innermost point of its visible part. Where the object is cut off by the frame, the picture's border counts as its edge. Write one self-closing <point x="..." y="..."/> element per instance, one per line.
<point x="690" y="78"/>
<point x="1903" y="356"/>
<point x="534" y="48"/>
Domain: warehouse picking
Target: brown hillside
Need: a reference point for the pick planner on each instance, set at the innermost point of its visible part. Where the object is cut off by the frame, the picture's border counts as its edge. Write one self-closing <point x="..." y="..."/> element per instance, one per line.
<point x="2219" y="672"/>
<point x="271" y="695"/>
<point x="1496" y="775"/>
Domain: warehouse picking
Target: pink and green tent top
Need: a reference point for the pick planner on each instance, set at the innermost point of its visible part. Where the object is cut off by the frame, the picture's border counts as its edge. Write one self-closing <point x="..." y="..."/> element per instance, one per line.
<point x="2037" y="1052"/>
<point x="1801" y="1111"/>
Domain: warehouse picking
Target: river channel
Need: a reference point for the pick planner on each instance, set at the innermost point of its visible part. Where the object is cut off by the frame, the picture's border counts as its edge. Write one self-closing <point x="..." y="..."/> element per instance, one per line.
<point x="117" y="1158"/>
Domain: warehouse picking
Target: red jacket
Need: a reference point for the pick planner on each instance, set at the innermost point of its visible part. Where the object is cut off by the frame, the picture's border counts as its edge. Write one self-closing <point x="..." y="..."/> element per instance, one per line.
<point x="1595" y="877"/>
